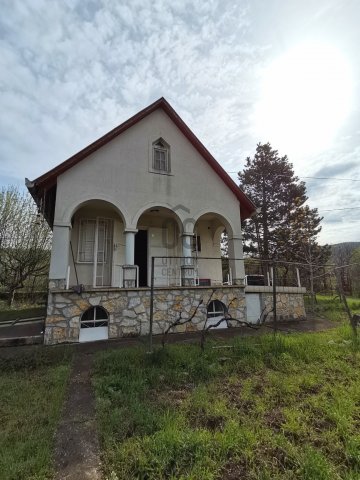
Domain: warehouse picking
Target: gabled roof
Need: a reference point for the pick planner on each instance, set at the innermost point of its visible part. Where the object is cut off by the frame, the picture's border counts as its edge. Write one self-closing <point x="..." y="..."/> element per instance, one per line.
<point x="47" y="181"/>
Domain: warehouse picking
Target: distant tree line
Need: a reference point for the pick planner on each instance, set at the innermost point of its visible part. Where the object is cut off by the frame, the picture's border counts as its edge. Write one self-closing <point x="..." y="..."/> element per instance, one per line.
<point x="25" y="241"/>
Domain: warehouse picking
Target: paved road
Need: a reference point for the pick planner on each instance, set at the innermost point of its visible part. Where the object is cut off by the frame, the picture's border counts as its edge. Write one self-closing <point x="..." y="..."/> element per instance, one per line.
<point x="22" y="329"/>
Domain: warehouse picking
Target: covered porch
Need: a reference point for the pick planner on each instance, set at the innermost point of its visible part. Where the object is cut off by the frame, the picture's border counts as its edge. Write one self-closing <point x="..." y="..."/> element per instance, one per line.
<point x="104" y="264"/>
<point x="101" y="248"/>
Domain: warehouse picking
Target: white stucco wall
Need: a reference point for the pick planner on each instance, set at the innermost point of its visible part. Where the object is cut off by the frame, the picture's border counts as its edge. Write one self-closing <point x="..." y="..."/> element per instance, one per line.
<point x="119" y="173"/>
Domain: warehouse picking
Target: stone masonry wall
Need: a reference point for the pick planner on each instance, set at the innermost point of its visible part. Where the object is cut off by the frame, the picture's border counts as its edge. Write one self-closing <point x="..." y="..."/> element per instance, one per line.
<point x="129" y="310"/>
<point x="289" y="306"/>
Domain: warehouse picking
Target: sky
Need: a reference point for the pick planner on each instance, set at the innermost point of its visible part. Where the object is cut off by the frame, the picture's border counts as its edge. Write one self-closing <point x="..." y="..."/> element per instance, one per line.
<point x="237" y="72"/>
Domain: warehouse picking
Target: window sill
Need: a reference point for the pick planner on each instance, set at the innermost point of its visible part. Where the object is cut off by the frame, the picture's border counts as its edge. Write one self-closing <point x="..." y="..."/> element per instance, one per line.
<point x="169" y="174"/>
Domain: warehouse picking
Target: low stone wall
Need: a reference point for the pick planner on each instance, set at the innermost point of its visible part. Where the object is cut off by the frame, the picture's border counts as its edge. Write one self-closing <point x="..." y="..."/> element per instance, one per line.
<point x="289" y="301"/>
<point x="129" y="310"/>
<point x="289" y="306"/>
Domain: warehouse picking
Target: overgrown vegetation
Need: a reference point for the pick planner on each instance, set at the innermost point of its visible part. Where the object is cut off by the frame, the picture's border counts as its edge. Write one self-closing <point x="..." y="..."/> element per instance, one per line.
<point x="31" y="396"/>
<point x="332" y="308"/>
<point x="266" y="408"/>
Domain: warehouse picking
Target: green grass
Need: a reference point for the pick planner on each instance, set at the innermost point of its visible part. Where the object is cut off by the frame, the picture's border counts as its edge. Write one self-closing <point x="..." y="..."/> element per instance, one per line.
<point x="332" y="308"/>
<point x="31" y="396"/>
<point x="283" y="408"/>
<point x="20" y="311"/>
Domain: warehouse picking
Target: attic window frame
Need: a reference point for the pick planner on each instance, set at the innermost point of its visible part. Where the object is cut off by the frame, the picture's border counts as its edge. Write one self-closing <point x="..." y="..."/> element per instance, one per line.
<point x="162" y="147"/>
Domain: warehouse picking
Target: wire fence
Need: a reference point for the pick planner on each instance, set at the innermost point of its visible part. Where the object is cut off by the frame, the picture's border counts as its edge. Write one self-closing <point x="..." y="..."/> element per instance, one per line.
<point x="216" y="271"/>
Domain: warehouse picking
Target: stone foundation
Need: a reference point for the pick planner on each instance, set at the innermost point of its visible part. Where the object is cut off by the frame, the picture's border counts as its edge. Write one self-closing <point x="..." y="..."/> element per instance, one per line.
<point x="129" y="310"/>
<point x="289" y="301"/>
<point x="289" y="306"/>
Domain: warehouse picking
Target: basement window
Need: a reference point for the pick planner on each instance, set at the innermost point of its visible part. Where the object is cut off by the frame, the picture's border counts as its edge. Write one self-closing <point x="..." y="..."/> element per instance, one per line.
<point x="216" y="309"/>
<point x="94" y="317"/>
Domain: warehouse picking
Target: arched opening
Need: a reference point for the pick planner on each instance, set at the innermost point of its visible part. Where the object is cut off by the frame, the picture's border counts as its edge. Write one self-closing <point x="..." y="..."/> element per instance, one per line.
<point x="211" y="264"/>
<point x="94" y="324"/>
<point x="158" y="235"/>
<point x="216" y="311"/>
<point x="97" y="244"/>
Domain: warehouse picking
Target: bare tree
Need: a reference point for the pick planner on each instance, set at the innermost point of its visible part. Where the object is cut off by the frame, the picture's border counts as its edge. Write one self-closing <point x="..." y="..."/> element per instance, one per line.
<point x="24" y="241"/>
<point x="342" y="253"/>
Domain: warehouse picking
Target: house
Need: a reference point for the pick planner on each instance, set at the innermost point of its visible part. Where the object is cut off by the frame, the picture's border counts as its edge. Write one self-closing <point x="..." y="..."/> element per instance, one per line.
<point x="149" y="188"/>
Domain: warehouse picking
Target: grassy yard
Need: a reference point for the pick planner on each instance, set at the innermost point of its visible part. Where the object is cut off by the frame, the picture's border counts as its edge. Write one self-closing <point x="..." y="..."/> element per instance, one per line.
<point x="31" y="396"/>
<point x="332" y="308"/>
<point x="20" y="311"/>
<point x="283" y="408"/>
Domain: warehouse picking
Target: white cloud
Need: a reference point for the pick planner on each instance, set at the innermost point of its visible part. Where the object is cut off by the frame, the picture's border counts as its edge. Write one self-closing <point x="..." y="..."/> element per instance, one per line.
<point x="72" y="72"/>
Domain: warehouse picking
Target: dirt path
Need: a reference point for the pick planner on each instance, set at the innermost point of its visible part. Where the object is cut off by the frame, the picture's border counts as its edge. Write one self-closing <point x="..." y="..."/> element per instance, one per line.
<point x="77" y="450"/>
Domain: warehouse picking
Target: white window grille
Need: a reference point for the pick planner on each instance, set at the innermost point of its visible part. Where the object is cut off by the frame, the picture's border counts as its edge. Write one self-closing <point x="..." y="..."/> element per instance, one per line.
<point x="94" y="317"/>
<point x="216" y="309"/>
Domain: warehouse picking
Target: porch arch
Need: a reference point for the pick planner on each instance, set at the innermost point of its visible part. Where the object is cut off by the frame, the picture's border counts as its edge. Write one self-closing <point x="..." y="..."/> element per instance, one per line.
<point x="176" y="213"/>
<point x="216" y="215"/>
<point x="87" y="199"/>
<point x="159" y="231"/>
<point x="97" y="244"/>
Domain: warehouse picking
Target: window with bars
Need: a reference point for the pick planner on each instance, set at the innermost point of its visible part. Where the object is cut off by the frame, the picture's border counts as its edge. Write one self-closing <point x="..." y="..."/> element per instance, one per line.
<point x="216" y="309"/>
<point x="94" y="317"/>
<point x="86" y="245"/>
<point x="161" y="156"/>
<point x="89" y="229"/>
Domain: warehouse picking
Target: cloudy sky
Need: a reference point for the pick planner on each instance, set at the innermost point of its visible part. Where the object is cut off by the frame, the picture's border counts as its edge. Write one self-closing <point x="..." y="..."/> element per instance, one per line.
<point x="237" y="72"/>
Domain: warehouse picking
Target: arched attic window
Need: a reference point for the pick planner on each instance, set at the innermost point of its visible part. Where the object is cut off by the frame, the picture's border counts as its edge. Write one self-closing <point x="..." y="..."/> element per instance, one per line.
<point x="161" y="156"/>
<point x="94" y="317"/>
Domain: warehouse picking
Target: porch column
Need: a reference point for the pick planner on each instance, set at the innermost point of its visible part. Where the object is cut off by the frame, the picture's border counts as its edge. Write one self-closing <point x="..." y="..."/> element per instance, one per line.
<point x="59" y="256"/>
<point x="237" y="266"/>
<point x="130" y="271"/>
<point x="187" y="267"/>
<point x="130" y="246"/>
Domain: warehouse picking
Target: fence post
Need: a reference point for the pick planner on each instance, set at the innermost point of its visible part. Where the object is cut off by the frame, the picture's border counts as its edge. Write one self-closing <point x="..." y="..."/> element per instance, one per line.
<point x="151" y="304"/>
<point x="274" y="297"/>
<point x="352" y="318"/>
<point x="298" y="277"/>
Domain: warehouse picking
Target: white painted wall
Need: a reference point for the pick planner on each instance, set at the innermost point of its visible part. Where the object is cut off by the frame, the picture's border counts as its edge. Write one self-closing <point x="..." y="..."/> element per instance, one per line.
<point x="119" y="173"/>
<point x="210" y="247"/>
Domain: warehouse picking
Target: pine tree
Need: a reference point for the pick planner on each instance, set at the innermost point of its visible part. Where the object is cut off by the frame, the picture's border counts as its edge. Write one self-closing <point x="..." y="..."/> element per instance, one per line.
<point x="284" y="228"/>
<point x="270" y="182"/>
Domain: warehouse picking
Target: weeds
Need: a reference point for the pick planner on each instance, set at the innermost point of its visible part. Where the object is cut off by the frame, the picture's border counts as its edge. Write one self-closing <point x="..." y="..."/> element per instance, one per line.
<point x="283" y="407"/>
<point x="31" y="396"/>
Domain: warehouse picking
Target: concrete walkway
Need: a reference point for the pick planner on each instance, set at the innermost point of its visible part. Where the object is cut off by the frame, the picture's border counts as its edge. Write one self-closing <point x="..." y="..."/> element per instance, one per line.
<point x="77" y="449"/>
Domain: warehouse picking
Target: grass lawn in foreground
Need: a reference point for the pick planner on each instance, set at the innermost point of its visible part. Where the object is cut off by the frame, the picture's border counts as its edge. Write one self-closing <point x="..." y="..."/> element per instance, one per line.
<point x="31" y="396"/>
<point x="283" y="408"/>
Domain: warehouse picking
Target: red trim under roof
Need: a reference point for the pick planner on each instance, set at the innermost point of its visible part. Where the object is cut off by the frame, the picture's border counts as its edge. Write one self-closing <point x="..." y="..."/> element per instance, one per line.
<point x="49" y="179"/>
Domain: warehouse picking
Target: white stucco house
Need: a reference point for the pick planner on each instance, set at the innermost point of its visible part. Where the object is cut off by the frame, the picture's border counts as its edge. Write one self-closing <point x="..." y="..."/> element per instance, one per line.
<point x="148" y="188"/>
